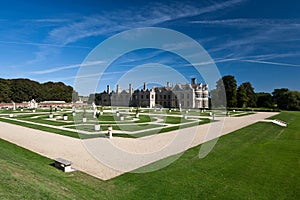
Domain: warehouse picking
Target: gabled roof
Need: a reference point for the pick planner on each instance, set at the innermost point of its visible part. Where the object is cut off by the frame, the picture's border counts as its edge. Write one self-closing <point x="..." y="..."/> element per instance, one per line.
<point x="177" y="87"/>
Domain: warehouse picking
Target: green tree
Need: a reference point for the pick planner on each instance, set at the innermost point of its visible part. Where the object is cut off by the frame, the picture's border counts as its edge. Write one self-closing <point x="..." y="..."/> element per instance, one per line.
<point x="19" y="90"/>
<point x="279" y="97"/>
<point x="242" y="98"/>
<point x="5" y="91"/>
<point x="24" y="90"/>
<point x="217" y="98"/>
<point x="264" y="100"/>
<point x="251" y="97"/>
<point x="57" y="91"/>
<point x="228" y="84"/>
<point x="293" y="100"/>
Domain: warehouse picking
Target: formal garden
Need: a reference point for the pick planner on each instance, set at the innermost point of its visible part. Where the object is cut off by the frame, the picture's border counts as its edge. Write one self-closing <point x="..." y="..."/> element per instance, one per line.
<point x="92" y="121"/>
<point x="260" y="161"/>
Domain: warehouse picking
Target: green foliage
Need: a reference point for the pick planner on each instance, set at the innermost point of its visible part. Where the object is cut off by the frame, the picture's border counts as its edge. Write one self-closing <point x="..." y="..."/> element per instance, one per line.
<point x="19" y="90"/>
<point x="242" y="98"/>
<point x="264" y="100"/>
<point x="24" y="90"/>
<point x="246" y="96"/>
<point x="250" y="94"/>
<point x="293" y="99"/>
<point x="227" y="84"/>
<point x="5" y="91"/>
<point x="287" y="99"/>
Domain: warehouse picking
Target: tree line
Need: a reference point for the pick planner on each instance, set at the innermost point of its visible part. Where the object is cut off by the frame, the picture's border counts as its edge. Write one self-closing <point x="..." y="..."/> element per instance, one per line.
<point x="20" y="90"/>
<point x="243" y="96"/>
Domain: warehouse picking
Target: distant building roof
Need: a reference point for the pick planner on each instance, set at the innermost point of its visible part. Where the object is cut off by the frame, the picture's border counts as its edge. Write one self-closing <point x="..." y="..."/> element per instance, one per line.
<point x="53" y="102"/>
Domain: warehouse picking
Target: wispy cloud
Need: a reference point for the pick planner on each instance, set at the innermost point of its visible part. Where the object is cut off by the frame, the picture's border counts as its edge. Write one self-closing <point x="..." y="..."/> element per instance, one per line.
<point x="250" y="59"/>
<point x="251" y="22"/>
<point x="112" y="22"/>
<point x="44" y="44"/>
<point x="68" y="31"/>
<point x="60" y="68"/>
<point x="271" y="63"/>
<point x="250" y="34"/>
<point x="48" y="20"/>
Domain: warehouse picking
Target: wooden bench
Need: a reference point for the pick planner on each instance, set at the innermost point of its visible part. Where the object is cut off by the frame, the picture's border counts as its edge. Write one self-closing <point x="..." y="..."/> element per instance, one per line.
<point x="63" y="164"/>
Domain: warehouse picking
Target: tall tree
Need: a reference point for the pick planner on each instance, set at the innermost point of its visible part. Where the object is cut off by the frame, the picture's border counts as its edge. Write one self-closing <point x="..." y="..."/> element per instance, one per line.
<point x="251" y="97"/>
<point x="293" y="100"/>
<point x="242" y="98"/>
<point x="217" y="98"/>
<point x="228" y="83"/>
<point x="279" y="97"/>
<point x="5" y="91"/>
<point x="264" y="100"/>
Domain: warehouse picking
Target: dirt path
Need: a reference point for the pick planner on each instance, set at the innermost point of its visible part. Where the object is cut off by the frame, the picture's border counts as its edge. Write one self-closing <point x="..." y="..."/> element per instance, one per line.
<point x="107" y="158"/>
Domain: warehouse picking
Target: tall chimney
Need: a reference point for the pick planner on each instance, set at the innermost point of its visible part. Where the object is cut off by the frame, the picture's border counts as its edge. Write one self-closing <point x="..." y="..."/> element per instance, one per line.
<point x="168" y="84"/>
<point x="144" y="85"/>
<point x="108" y="89"/>
<point x="118" y="90"/>
<point x="193" y="81"/>
<point x="130" y="89"/>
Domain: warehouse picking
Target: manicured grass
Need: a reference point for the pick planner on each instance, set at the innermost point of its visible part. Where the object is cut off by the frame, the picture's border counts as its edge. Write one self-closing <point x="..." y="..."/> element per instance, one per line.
<point x="167" y="129"/>
<point x="257" y="162"/>
<point x="175" y="120"/>
<point x="137" y="127"/>
<point x="50" y="122"/>
<point x="42" y="128"/>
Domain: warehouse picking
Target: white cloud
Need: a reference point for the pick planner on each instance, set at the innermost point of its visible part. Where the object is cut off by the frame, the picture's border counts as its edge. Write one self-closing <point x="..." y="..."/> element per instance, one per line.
<point x="68" y="31"/>
<point x="271" y="63"/>
<point x="261" y="59"/>
<point x="251" y="22"/>
<point x="112" y="22"/>
<point x="44" y="44"/>
<point x="60" y="68"/>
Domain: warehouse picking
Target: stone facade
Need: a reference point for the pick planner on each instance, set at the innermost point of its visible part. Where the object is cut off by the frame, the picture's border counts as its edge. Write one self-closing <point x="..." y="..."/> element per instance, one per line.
<point x="193" y="95"/>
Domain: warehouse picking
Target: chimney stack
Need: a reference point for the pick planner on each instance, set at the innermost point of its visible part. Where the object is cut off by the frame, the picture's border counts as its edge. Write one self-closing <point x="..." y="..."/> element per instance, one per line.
<point x="108" y="89"/>
<point x="194" y="81"/>
<point x="118" y="90"/>
<point x="168" y="84"/>
<point x="144" y="85"/>
<point x="130" y="89"/>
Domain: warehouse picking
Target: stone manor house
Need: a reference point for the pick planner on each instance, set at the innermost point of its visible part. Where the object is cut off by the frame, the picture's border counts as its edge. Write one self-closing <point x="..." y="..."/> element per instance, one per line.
<point x="193" y="95"/>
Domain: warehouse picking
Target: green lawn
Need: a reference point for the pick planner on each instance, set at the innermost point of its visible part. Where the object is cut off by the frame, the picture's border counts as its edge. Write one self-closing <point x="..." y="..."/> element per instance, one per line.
<point x="42" y="128"/>
<point x="261" y="161"/>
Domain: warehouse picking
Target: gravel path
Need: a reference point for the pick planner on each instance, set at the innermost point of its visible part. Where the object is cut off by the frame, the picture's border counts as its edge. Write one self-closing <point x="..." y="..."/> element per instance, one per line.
<point x="107" y="158"/>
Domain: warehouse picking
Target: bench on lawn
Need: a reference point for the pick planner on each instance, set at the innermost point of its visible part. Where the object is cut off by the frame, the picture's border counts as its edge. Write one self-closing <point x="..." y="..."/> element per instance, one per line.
<point x="63" y="164"/>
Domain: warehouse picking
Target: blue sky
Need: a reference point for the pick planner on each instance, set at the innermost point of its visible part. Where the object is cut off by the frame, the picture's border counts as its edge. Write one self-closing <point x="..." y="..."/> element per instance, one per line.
<point x="256" y="41"/>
